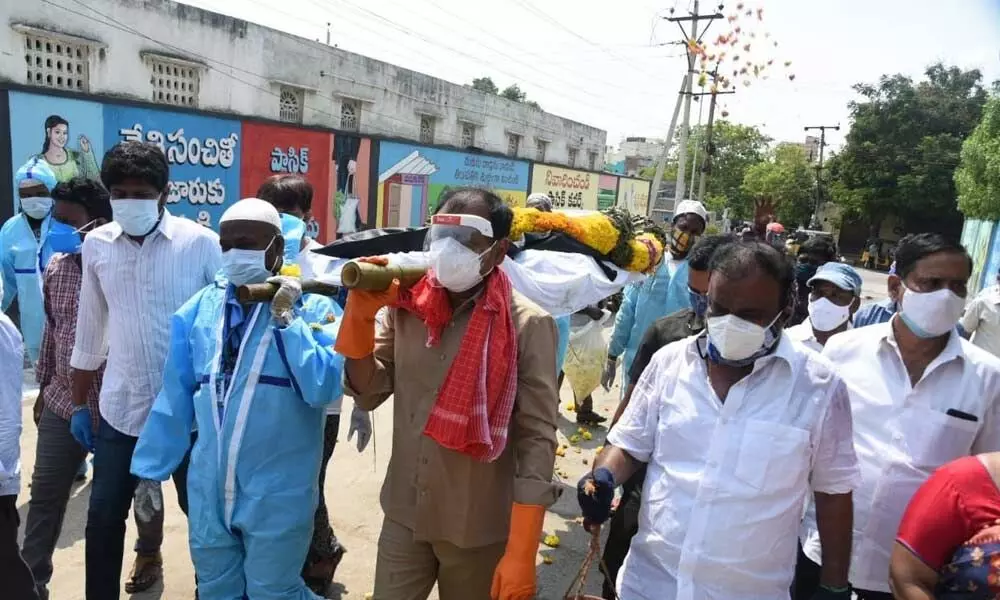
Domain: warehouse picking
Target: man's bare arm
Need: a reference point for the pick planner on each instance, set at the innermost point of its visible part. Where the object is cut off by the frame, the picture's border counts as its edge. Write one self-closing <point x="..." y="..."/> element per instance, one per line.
<point x="835" y="521"/>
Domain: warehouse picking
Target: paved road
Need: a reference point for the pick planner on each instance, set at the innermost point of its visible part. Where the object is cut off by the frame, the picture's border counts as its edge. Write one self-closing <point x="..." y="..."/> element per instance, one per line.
<point x="352" y="490"/>
<point x="873" y="286"/>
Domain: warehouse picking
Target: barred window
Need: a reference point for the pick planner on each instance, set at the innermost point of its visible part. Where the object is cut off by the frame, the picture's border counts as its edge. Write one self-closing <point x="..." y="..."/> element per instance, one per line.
<point x="540" y="147"/>
<point x="573" y="153"/>
<point x="591" y="160"/>
<point x="56" y="63"/>
<point x="290" y="103"/>
<point x="513" y="144"/>
<point x="173" y="82"/>
<point x="468" y="135"/>
<point x="426" y="130"/>
<point x="350" y="115"/>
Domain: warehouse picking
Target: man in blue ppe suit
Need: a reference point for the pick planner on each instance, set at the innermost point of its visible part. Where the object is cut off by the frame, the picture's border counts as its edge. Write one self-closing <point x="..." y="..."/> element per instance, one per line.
<point x="24" y="250"/>
<point x="664" y="293"/>
<point x="256" y="380"/>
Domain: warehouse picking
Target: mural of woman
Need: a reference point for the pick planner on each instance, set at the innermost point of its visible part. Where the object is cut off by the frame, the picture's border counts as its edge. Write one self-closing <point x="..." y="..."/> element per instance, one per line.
<point x="66" y="162"/>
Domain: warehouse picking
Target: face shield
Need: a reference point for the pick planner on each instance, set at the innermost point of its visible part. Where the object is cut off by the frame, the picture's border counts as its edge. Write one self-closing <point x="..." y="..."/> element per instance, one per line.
<point x="456" y="245"/>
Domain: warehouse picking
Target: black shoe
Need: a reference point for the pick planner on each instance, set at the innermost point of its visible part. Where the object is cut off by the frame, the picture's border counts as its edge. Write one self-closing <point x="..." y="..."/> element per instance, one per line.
<point x="589" y="418"/>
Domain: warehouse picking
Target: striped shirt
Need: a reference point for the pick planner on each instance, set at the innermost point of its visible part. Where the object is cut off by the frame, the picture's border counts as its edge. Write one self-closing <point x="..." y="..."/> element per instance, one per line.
<point x="61" y="290"/>
<point x="129" y="294"/>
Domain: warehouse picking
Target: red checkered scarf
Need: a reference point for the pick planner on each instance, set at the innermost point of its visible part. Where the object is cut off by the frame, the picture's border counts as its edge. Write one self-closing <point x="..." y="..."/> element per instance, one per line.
<point x="473" y="409"/>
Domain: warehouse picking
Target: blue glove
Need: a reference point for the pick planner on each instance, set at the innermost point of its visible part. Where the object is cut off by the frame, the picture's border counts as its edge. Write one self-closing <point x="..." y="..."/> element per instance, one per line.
<point x="828" y="593"/>
<point x="596" y="506"/>
<point x="79" y="426"/>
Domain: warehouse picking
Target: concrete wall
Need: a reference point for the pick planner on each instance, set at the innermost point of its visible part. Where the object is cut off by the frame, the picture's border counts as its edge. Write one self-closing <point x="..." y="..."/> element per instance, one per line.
<point x="245" y="66"/>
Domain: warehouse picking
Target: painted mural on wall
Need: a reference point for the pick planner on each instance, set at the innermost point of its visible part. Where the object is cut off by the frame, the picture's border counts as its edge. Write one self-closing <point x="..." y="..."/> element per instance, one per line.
<point x="412" y="178"/>
<point x="276" y="150"/>
<point x="67" y="134"/>
<point x="568" y="188"/>
<point x="203" y="153"/>
<point x="633" y="194"/>
<point x="992" y="265"/>
<point x="607" y="191"/>
<point x="351" y="185"/>
<point x="976" y="237"/>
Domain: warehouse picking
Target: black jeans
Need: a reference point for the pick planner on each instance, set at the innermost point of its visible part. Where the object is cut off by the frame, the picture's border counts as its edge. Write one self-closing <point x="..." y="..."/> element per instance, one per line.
<point x="15" y="576"/>
<point x="624" y="525"/>
<point x="58" y="457"/>
<point x="324" y="544"/>
<point x="806" y="582"/>
<point x="110" y="498"/>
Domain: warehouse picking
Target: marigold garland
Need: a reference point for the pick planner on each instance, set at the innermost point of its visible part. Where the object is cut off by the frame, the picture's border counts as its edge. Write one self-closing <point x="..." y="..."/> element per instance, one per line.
<point x="632" y="243"/>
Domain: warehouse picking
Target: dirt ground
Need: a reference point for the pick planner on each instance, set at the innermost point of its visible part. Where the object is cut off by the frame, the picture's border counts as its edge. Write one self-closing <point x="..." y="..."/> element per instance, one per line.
<point x="352" y="490"/>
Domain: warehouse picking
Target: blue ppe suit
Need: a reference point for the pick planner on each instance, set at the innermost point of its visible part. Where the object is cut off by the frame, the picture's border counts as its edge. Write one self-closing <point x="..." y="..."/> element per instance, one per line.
<point x="643" y="303"/>
<point x="24" y="258"/>
<point x="253" y="477"/>
<point x="562" y="346"/>
<point x="293" y="229"/>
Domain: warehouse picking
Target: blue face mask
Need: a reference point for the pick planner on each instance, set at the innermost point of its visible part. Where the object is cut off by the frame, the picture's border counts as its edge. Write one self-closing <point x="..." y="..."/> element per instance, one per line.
<point x="293" y="230"/>
<point x="64" y="238"/>
<point x="699" y="302"/>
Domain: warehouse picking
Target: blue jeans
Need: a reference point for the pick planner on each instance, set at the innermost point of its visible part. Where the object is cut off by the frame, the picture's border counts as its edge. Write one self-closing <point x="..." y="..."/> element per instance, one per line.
<point x="110" y="498"/>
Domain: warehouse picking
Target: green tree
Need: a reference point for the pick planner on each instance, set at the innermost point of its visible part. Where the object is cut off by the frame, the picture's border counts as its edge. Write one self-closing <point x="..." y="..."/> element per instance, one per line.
<point x="903" y="147"/>
<point x="485" y="85"/>
<point x="737" y="148"/>
<point x="978" y="174"/>
<point x="783" y="186"/>
<point x="513" y="92"/>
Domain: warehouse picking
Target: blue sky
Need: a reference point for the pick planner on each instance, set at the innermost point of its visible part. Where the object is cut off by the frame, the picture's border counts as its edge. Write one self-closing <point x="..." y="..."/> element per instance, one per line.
<point x="603" y="63"/>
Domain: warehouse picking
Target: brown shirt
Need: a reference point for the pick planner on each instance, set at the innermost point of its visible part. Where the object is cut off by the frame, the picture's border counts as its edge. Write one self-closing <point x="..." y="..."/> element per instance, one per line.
<point x="443" y="495"/>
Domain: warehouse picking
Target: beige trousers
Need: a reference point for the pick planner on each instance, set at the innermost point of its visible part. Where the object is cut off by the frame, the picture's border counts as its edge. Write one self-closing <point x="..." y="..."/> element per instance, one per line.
<point x="407" y="569"/>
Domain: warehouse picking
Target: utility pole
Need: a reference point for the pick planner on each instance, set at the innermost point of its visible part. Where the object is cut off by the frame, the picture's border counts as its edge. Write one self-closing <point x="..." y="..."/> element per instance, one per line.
<point x="689" y="39"/>
<point x="662" y="163"/>
<point x="819" y="167"/>
<point x="683" y="95"/>
<point x="706" y="165"/>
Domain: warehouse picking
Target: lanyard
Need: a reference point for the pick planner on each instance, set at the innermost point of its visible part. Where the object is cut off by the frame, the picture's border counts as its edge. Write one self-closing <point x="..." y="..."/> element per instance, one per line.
<point x="221" y="401"/>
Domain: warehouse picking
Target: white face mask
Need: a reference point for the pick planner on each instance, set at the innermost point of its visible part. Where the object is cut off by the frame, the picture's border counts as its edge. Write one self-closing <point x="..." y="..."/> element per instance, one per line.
<point x="136" y="216"/>
<point x="243" y="267"/>
<point x="736" y="339"/>
<point x="824" y="315"/>
<point x="930" y="314"/>
<point x="456" y="267"/>
<point x="36" y="208"/>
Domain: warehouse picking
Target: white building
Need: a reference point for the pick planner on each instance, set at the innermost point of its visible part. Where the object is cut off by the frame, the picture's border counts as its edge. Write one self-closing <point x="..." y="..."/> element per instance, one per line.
<point x="634" y="154"/>
<point x="175" y="54"/>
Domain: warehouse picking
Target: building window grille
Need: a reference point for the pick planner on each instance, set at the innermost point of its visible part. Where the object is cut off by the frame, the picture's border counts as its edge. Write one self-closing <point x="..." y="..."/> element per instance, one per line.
<point x="573" y="153"/>
<point x="173" y="83"/>
<point x="426" y="130"/>
<point x="290" y="103"/>
<point x="350" y="115"/>
<point x="513" y="144"/>
<point x="56" y="63"/>
<point x="591" y="160"/>
<point x="540" y="147"/>
<point x="468" y="135"/>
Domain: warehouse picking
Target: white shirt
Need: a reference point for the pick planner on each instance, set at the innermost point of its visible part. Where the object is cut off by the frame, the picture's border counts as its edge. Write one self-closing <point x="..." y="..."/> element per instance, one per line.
<point x="723" y="497"/>
<point x="804" y="333"/>
<point x="982" y="318"/>
<point x="128" y="296"/>
<point x="312" y="266"/>
<point x="11" y="378"/>
<point x="902" y="433"/>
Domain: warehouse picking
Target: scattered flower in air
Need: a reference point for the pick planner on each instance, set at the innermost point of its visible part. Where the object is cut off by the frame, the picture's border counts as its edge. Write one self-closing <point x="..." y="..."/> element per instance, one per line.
<point x="746" y="48"/>
<point x="760" y="14"/>
<point x="791" y="77"/>
<point x="788" y="63"/>
<point x="725" y="114"/>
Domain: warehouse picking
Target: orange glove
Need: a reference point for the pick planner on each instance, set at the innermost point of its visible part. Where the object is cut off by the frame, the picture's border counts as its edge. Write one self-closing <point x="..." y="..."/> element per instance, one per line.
<point x="356" y="337"/>
<point x="514" y="578"/>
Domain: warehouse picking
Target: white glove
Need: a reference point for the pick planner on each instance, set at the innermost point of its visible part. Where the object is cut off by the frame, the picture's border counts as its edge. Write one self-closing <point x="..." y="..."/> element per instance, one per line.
<point x="361" y="423"/>
<point x="148" y="500"/>
<point x="608" y="375"/>
<point x="284" y="300"/>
